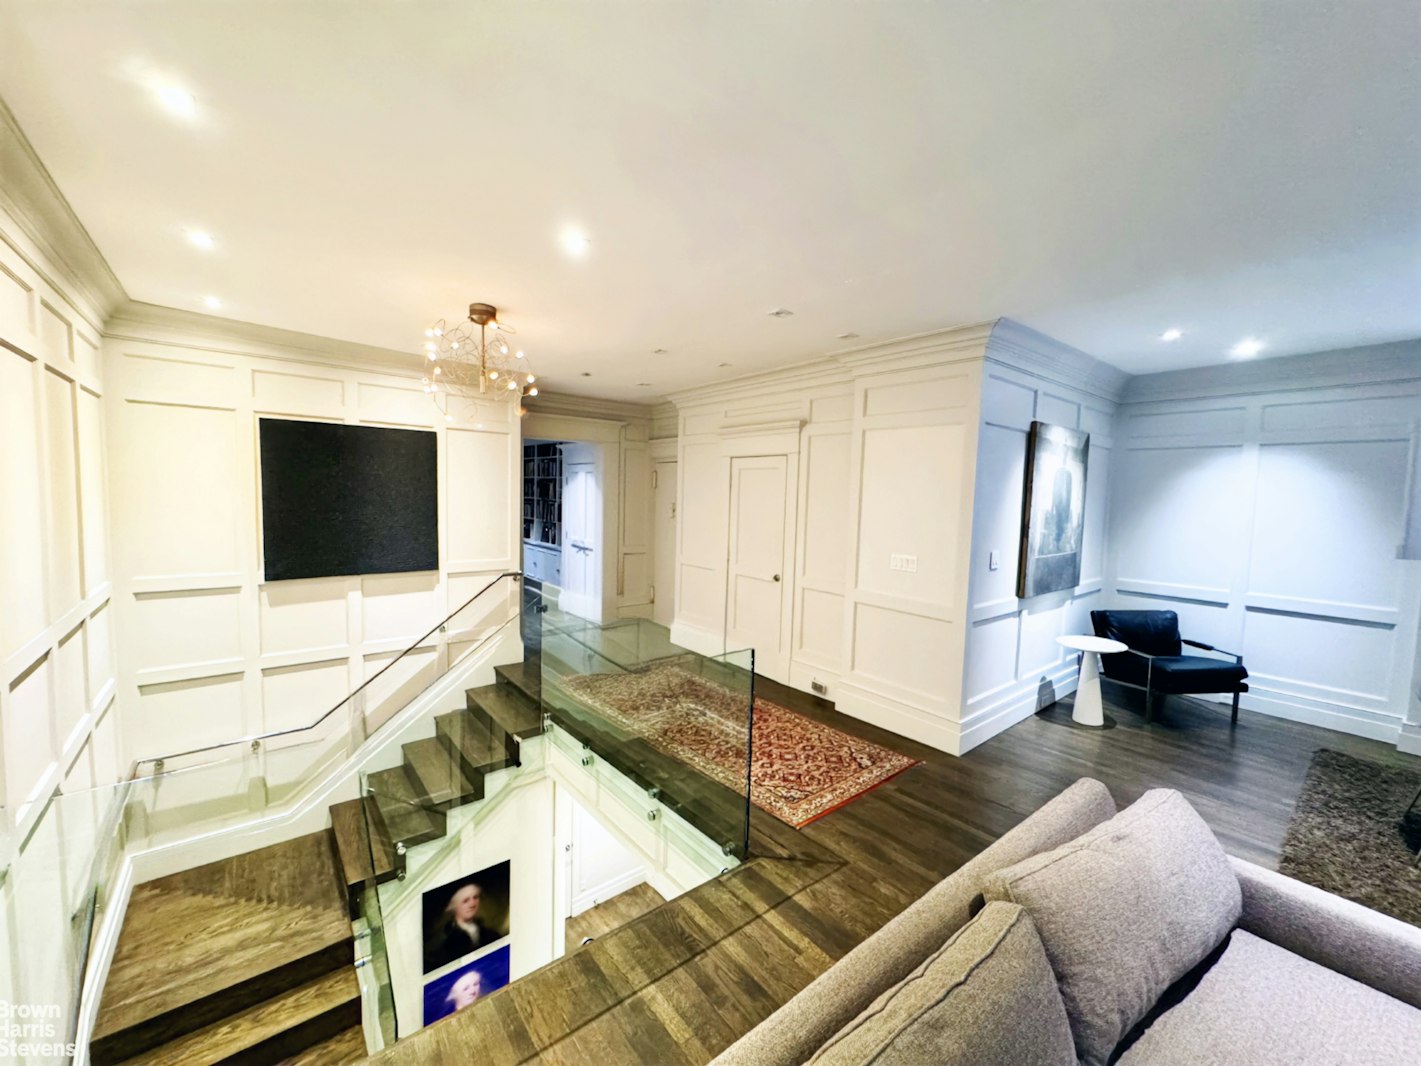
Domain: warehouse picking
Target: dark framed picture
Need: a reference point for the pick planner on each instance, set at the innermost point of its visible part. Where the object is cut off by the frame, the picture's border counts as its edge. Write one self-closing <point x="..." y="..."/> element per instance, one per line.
<point x="1053" y="510"/>
<point x="465" y="915"/>
<point x="465" y="986"/>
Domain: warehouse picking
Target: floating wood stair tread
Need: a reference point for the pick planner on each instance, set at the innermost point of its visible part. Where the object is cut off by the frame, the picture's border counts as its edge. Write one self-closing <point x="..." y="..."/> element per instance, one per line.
<point x="508" y="707"/>
<point x="363" y="842"/>
<point x="287" y="1023"/>
<point x="346" y="1047"/>
<point x="439" y="778"/>
<point x="408" y="819"/>
<point x="481" y="747"/>
<point x="525" y="676"/>
<point x="205" y="943"/>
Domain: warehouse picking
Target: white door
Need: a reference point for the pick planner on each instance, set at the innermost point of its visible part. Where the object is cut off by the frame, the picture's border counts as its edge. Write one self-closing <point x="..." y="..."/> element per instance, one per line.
<point x="663" y="542"/>
<point x="580" y="565"/>
<point x="755" y="585"/>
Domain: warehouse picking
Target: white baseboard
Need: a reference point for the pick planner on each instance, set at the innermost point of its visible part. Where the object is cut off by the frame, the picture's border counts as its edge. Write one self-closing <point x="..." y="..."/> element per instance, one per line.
<point x="1012" y="704"/>
<point x="1409" y="740"/>
<point x="888" y="713"/>
<point x="696" y="639"/>
<point x="1329" y="716"/>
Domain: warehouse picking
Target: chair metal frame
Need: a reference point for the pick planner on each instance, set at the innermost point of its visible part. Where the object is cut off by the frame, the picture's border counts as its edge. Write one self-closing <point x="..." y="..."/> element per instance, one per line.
<point x="1151" y="696"/>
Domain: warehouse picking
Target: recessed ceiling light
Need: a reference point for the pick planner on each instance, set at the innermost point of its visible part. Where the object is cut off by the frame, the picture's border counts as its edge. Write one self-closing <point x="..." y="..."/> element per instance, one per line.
<point x="658" y="351"/>
<point x="1171" y="334"/>
<point x="199" y="239"/>
<point x="724" y="364"/>
<point x="1247" y="348"/>
<point x="212" y="302"/>
<point x="176" y="101"/>
<point x="643" y="384"/>
<point x="847" y="336"/>
<point x="575" y="243"/>
<point x="587" y="373"/>
<point x="781" y="312"/>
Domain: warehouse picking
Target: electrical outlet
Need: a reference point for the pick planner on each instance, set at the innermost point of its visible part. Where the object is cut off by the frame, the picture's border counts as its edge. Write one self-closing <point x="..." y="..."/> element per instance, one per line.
<point x="819" y="687"/>
<point x="907" y="564"/>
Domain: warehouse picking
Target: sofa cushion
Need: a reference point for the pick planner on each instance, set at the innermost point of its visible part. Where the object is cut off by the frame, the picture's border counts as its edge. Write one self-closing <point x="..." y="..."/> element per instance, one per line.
<point x="986" y="996"/>
<point x="1261" y="1005"/>
<point x="795" y="1031"/>
<point x="1124" y="911"/>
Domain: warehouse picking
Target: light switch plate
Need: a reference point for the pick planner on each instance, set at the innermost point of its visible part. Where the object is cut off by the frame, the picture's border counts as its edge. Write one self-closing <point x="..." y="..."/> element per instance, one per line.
<point x="994" y="560"/>
<point x="907" y="564"/>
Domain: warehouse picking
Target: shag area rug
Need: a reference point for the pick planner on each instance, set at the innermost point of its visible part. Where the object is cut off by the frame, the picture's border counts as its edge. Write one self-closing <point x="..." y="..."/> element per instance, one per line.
<point x="800" y="770"/>
<point x="1347" y="834"/>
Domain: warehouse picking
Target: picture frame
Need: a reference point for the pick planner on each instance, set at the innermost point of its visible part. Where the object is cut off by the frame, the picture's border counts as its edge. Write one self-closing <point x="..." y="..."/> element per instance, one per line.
<point x="1053" y="510"/>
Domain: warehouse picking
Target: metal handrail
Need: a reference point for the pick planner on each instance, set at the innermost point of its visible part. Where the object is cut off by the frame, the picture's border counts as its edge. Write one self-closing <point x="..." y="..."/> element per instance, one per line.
<point x="257" y="738"/>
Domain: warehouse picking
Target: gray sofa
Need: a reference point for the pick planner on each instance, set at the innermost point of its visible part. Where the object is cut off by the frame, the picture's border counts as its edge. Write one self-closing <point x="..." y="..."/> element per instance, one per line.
<point x="1091" y="935"/>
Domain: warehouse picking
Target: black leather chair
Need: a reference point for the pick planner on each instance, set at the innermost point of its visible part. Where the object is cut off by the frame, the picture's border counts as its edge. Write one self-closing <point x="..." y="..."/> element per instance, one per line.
<point x="1155" y="663"/>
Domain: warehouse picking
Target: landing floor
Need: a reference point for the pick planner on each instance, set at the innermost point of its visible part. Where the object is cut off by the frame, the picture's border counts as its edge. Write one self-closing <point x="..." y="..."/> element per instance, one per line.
<point x="682" y="982"/>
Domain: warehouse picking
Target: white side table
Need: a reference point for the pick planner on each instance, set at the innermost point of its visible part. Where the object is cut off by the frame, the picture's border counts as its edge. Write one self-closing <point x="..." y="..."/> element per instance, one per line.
<point x="1088" y="710"/>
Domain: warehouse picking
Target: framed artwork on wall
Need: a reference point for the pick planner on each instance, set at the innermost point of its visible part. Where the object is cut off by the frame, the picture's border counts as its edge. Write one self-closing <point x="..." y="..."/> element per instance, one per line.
<point x="465" y="915"/>
<point x="466" y="985"/>
<point x="1053" y="510"/>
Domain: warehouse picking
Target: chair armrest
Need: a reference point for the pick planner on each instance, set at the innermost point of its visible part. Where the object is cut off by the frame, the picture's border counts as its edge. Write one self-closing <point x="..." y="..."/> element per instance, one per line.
<point x="1132" y="651"/>
<point x="1210" y="647"/>
<point x="1365" y="945"/>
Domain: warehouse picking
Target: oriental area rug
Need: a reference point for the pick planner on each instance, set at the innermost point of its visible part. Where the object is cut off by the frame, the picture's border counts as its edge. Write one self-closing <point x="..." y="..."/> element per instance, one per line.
<point x="1349" y="834"/>
<point x="800" y="769"/>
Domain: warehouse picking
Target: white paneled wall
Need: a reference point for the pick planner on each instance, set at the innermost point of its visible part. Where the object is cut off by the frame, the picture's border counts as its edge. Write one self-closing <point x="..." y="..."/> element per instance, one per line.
<point x="211" y="652"/>
<point x="1013" y="664"/>
<point x="879" y="448"/>
<point x="1266" y="503"/>
<point x="56" y="660"/>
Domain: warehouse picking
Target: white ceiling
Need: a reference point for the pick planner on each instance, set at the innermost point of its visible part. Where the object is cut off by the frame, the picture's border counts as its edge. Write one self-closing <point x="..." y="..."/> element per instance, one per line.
<point x="1098" y="170"/>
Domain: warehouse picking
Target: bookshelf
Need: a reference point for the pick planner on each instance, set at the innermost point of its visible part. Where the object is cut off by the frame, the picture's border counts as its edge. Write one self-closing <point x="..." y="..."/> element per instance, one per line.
<point x="542" y="494"/>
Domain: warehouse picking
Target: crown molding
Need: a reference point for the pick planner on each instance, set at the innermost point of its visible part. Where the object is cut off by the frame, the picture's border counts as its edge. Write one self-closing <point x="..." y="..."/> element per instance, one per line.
<point x="558" y="403"/>
<point x="803" y="375"/>
<point x="1023" y="348"/>
<point x="935" y="347"/>
<point x="154" y="324"/>
<point x="29" y="194"/>
<point x="1397" y="362"/>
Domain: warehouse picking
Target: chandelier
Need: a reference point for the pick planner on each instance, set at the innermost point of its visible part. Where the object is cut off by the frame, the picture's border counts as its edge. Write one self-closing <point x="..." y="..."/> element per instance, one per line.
<point x="475" y="360"/>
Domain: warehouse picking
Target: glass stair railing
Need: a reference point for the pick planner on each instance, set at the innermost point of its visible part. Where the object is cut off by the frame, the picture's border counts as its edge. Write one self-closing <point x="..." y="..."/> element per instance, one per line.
<point x="655" y="730"/>
<point x="675" y="721"/>
<point x="59" y="873"/>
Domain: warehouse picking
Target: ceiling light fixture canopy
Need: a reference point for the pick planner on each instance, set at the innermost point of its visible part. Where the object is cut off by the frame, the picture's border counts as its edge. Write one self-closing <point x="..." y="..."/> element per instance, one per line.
<point x="475" y="360"/>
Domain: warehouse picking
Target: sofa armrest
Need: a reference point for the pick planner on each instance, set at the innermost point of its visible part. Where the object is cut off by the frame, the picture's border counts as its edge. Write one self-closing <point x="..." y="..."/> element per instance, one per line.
<point x="792" y="1034"/>
<point x="1363" y="944"/>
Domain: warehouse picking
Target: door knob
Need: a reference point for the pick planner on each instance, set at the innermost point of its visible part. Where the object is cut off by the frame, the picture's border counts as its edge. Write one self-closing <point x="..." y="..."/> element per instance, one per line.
<point x="777" y="577"/>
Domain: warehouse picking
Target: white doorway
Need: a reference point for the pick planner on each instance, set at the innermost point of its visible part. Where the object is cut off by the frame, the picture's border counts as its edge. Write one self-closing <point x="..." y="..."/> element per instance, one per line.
<point x="755" y="577"/>
<point x="663" y="542"/>
<point x="582" y="537"/>
<point x="563" y="522"/>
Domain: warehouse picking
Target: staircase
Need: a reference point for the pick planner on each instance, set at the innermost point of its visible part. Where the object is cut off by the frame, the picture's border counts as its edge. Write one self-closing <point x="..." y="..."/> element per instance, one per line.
<point x="250" y="960"/>
<point x="246" y="960"/>
<point x="406" y="805"/>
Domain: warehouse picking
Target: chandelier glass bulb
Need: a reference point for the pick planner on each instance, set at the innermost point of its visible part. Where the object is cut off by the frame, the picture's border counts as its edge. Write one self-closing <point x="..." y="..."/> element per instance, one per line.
<point x="475" y="361"/>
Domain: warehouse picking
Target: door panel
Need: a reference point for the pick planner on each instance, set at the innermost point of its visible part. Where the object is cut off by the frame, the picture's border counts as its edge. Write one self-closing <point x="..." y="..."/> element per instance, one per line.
<point x="755" y="584"/>
<point x="579" y="513"/>
<point x="663" y="546"/>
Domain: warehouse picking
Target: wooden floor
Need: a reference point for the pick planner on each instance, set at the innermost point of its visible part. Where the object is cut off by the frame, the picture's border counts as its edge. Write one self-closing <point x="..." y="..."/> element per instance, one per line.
<point x="612" y="914"/>
<point x="685" y="980"/>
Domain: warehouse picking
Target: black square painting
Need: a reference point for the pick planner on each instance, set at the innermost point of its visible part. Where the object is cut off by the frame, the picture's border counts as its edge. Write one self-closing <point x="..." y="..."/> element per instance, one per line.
<point x="340" y="500"/>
